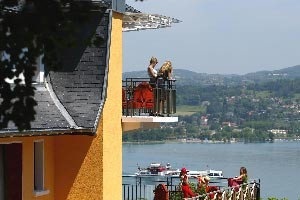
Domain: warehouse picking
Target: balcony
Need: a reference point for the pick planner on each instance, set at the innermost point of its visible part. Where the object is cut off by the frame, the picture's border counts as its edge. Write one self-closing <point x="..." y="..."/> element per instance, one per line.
<point x="146" y="105"/>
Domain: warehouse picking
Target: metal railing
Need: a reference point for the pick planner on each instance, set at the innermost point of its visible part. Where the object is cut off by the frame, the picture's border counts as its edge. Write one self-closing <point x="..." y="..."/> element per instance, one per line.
<point x="137" y="188"/>
<point x="246" y="191"/>
<point x="140" y="97"/>
<point x="143" y="188"/>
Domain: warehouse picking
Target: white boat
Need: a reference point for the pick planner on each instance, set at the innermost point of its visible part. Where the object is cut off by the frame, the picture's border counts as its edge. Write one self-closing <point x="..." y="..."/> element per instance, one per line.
<point x="157" y="169"/>
<point x="211" y="173"/>
<point x="215" y="173"/>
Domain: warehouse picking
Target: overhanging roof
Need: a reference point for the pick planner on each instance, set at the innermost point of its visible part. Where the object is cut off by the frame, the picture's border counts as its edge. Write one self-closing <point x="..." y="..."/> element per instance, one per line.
<point x="133" y="21"/>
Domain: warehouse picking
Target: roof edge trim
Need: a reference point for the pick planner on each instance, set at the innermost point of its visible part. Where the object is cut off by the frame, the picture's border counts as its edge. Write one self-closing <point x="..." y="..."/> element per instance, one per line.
<point x="59" y="105"/>
<point x="104" y="91"/>
<point x="47" y="132"/>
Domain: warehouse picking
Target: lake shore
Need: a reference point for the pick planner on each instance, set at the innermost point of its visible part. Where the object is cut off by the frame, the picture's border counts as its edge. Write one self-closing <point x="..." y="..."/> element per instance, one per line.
<point x="208" y="141"/>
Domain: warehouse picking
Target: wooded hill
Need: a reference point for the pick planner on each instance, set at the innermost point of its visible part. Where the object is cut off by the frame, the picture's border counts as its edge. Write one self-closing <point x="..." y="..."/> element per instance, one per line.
<point x="186" y="77"/>
<point x="238" y="106"/>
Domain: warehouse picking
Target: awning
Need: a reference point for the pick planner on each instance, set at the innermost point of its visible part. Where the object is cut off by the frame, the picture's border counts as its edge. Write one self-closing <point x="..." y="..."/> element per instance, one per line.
<point x="141" y="21"/>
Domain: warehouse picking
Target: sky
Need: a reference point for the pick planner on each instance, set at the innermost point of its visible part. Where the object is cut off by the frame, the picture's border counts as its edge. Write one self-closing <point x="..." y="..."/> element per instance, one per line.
<point x="218" y="36"/>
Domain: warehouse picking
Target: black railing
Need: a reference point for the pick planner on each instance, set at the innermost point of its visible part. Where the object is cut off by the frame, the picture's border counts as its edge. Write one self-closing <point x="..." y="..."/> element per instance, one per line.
<point x="140" y="97"/>
<point x="142" y="188"/>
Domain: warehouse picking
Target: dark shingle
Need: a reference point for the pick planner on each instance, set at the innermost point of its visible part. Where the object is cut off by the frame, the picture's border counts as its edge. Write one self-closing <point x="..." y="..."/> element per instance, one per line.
<point x="80" y="89"/>
<point x="47" y="115"/>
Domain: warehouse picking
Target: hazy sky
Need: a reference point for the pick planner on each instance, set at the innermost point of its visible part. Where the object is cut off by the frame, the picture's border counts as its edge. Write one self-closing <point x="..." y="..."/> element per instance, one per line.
<point x="218" y="36"/>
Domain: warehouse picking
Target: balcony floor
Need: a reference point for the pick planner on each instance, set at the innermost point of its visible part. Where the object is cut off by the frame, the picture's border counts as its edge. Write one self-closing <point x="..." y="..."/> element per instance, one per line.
<point x="148" y="119"/>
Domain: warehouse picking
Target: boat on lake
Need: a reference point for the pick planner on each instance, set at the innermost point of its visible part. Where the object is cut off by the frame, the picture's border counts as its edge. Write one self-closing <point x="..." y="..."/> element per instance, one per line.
<point x="158" y="169"/>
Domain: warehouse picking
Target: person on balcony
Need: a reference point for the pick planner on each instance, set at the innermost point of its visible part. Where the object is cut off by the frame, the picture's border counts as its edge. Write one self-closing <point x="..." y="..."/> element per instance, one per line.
<point x="152" y="72"/>
<point x="203" y="187"/>
<point x="202" y="183"/>
<point x="165" y="71"/>
<point x="184" y="183"/>
<point x="241" y="179"/>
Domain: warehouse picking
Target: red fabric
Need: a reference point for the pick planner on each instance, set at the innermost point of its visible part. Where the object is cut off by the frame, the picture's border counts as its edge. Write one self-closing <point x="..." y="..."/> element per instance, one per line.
<point x="161" y="192"/>
<point x="234" y="183"/>
<point x="143" y="96"/>
<point x="124" y="103"/>
<point x="187" y="192"/>
<point x="209" y="189"/>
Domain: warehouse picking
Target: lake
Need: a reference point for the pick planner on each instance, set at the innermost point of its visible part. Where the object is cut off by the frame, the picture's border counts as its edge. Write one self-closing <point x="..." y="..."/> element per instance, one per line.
<point x="277" y="164"/>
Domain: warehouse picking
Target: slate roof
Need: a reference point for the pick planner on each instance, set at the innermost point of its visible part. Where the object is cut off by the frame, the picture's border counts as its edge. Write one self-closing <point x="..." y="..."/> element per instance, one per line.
<point x="47" y="115"/>
<point x="70" y="101"/>
<point x="80" y="89"/>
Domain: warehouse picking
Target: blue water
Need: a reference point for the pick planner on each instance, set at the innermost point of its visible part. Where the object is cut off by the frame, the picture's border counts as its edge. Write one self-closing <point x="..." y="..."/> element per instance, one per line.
<point x="277" y="165"/>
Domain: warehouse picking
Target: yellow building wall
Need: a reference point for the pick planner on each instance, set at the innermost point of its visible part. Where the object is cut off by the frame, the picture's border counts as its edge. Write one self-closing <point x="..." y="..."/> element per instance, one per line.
<point x="28" y="165"/>
<point x="112" y="115"/>
<point x="89" y="167"/>
<point x="77" y="167"/>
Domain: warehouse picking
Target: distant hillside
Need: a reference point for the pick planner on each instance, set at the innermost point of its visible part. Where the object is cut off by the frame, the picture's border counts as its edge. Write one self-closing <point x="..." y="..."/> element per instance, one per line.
<point x="187" y="77"/>
<point x="288" y="73"/>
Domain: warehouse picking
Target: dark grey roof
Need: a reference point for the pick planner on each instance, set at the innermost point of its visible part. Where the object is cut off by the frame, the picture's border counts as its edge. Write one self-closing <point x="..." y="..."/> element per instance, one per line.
<point x="71" y="99"/>
<point x="47" y="115"/>
<point x="79" y="89"/>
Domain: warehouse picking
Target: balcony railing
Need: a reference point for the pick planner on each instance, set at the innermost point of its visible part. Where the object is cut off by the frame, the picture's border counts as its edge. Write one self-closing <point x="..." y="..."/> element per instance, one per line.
<point x="136" y="187"/>
<point x="140" y="97"/>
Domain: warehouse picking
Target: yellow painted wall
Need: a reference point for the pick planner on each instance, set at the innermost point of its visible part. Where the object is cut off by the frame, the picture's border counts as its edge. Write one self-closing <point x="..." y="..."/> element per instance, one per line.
<point x="77" y="167"/>
<point x="28" y="165"/>
<point x="89" y="167"/>
<point x="112" y="114"/>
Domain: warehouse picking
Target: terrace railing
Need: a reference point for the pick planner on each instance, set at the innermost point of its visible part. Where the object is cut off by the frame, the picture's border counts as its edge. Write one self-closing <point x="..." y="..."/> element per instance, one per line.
<point x="140" y="97"/>
<point x="246" y="191"/>
<point x="142" y="188"/>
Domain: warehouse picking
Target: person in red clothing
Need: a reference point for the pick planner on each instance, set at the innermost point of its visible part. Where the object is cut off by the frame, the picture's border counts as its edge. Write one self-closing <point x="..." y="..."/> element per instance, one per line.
<point x="184" y="182"/>
<point x="242" y="178"/>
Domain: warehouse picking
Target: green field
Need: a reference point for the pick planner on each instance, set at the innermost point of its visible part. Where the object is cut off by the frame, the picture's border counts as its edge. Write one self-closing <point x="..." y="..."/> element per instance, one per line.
<point x="263" y="94"/>
<point x="297" y="96"/>
<point x="189" y="110"/>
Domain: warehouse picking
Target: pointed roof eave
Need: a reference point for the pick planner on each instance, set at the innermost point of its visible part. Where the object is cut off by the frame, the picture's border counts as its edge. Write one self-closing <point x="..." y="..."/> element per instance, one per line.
<point x="141" y="21"/>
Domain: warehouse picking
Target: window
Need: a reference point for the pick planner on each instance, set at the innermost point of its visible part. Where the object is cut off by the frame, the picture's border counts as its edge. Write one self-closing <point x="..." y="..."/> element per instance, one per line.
<point x="38" y="74"/>
<point x="39" y="165"/>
